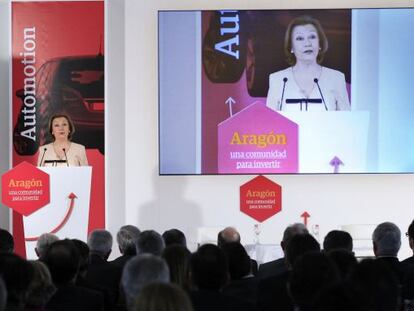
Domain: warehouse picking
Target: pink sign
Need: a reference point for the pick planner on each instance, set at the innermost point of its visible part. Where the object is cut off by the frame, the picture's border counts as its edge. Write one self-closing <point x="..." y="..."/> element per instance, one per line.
<point x="257" y="140"/>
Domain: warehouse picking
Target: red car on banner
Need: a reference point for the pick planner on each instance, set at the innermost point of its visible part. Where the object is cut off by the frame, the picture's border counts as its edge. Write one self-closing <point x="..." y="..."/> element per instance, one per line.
<point x="74" y="86"/>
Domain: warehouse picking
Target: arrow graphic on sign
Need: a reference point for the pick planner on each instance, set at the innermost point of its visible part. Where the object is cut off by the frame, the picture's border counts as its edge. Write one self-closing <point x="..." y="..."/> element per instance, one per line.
<point x="335" y="162"/>
<point x="305" y="217"/>
<point x="230" y="101"/>
<point x="72" y="198"/>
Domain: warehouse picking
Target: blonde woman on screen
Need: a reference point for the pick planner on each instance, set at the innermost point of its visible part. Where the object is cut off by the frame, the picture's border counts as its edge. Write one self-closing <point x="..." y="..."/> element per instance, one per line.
<point x="306" y="85"/>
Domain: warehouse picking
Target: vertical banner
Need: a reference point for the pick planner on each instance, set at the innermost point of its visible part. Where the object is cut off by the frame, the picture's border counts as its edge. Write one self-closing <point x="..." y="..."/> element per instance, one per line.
<point x="58" y="68"/>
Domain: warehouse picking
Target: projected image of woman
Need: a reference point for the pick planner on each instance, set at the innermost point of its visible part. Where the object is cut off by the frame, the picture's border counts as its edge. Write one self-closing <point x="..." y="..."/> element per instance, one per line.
<point x="62" y="151"/>
<point x="306" y="85"/>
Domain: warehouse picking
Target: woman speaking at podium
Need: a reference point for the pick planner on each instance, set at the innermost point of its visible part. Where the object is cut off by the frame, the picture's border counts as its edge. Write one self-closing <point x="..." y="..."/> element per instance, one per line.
<point x="306" y="85"/>
<point x="62" y="151"/>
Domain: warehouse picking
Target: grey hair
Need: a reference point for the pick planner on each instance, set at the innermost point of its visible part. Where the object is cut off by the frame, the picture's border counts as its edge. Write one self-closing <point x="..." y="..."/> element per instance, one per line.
<point x="292" y="230"/>
<point x="100" y="241"/>
<point x="44" y="242"/>
<point x="126" y="238"/>
<point x="140" y="271"/>
<point x="150" y="242"/>
<point x="387" y="238"/>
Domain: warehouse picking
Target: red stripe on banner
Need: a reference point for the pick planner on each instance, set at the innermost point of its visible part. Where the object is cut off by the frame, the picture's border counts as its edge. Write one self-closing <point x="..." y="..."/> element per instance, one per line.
<point x="61" y="45"/>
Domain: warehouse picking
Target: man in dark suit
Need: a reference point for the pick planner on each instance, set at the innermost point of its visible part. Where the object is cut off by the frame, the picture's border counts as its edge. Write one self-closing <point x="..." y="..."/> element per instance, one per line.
<point x="100" y="271"/>
<point x="278" y="266"/>
<point x="273" y="294"/>
<point x="209" y="272"/>
<point x="386" y="240"/>
<point x="126" y="238"/>
<point x="62" y="259"/>
<point x="408" y="267"/>
<point x="229" y="235"/>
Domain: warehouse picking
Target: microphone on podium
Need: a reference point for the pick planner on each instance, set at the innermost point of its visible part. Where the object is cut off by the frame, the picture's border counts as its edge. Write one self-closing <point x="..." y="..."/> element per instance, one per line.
<point x="320" y="92"/>
<point x="283" y="92"/>
<point x="66" y="157"/>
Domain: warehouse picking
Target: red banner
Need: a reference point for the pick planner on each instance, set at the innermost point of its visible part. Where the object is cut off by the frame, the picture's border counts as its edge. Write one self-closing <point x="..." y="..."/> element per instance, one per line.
<point x="58" y="68"/>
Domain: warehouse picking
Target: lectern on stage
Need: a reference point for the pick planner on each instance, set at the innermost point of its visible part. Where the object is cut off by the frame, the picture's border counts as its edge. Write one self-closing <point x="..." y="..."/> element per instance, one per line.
<point x="67" y="214"/>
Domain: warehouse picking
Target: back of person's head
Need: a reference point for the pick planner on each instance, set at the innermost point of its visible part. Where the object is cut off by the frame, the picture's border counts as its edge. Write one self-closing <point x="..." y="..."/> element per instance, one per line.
<point x="41" y="288"/>
<point x="209" y="267"/>
<point x="3" y="295"/>
<point x="83" y="250"/>
<point x="100" y="243"/>
<point x="238" y="260"/>
<point x="310" y="274"/>
<point x="227" y="235"/>
<point x="6" y="242"/>
<point x="162" y="297"/>
<point x="43" y="243"/>
<point x="375" y="286"/>
<point x="345" y="261"/>
<point x="335" y="297"/>
<point x="410" y="233"/>
<point x="150" y="242"/>
<point x="17" y="274"/>
<point x="386" y="239"/>
<point x="299" y="245"/>
<point x="174" y="236"/>
<point x="62" y="258"/>
<point x="126" y="239"/>
<point x="178" y="260"/>
<point x="337" y="239"/>
<point x="140" y="271"/>
<point x="290" y="232"/>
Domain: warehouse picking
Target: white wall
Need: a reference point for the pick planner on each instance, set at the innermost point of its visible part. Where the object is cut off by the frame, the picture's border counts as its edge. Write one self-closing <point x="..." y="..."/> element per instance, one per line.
<point x="190" y="201"/>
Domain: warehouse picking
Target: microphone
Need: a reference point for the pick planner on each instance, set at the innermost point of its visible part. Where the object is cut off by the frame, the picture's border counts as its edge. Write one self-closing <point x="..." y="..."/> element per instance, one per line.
<point x="43" y="155"/>
<point x="283" y="92"/>
<point x="320" y="92"/>
<point x="67" y="162"/>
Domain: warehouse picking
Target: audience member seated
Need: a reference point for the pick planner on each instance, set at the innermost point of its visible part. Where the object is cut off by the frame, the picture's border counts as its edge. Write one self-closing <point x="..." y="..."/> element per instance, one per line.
<point x="126" y="238"/>
<point x="150" y="242"/>
<point x="17" y="274"/>
<point x="386" y="240"/>
<point x="43" y="243"/>
<point x="230" y="234"/>
<point x="100" y="271"/>
<point x="273" y="293"/>
<point x="3" y="295"/>
<point x="62" y="259"/>
<point x="278" y="266"/>
<point x="335" y="297"/>
<point x="162" y="297"/>
<point x="408" y="267"/>
<point x="41" y="288"/>
<point x="345" y="261"/>
<point x="140" y="271"/>
<point x="310" y="274"/>
<point x="6" y="242"/>
<point x="178" y="260"/>
<point x="81" y="280"/>
<point x="243" y="284"/>
<point x="174" y="236"/>
<point x="375" y="286"/>
<point x="337" y="239"/>
<point x="209" y="271"/>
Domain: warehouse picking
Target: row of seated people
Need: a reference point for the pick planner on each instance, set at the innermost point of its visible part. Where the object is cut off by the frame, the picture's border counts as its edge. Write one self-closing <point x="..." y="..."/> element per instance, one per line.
<point x="159" y="273"/>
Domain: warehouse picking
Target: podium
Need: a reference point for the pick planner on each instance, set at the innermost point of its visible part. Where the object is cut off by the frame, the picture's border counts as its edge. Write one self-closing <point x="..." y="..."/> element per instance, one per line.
<point x="67" y="214"/>
<point x="258" y="140"/>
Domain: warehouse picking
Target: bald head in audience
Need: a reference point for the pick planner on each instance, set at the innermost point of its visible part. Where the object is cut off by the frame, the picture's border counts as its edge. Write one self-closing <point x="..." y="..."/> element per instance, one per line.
<point x="227" y="235"/>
